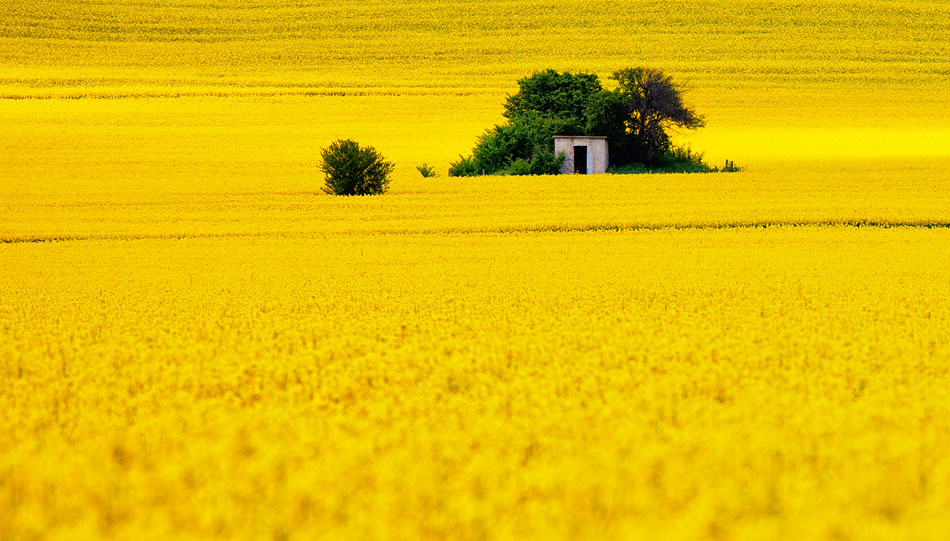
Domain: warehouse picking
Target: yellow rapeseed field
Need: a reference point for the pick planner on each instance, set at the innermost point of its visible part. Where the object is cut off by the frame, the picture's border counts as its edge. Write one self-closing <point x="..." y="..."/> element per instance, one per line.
<point x="196" y="343"/>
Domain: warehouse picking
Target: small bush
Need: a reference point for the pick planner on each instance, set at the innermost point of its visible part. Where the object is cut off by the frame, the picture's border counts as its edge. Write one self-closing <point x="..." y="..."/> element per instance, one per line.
<point x="426" y="170"/>
<point x="681" y="159"/>
<point x="685" y="154"/>
<point x="354" y="170"/>
<point x="678" y="160"/>
<point x="528" y="137"/>
<point x="547" y="163"/>
<point x="520" y="166"/>
<point x="730" y="167"/>
<point x="464" y="167"/>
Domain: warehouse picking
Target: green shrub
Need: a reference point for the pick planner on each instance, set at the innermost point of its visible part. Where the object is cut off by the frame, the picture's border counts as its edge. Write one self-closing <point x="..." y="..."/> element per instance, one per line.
<point x="520" y="166"/>
<point x="529" y="137"/>
<point x="681" y="159"/>
<point x="547" y="163"/>
<point x="354" y="170"/>
<point x="636" y="118"/>
<point x="495" y="149"/>
<point x="464" y="167"/>
<point x="606" y="116"/>
<point x="500" y="146"/>
<point x="730" y="167"/>
<point x="684" y="153"/>
<point x="426" y="170"/>
<point x="551" y="94"/>
<point x="541" y="163"/>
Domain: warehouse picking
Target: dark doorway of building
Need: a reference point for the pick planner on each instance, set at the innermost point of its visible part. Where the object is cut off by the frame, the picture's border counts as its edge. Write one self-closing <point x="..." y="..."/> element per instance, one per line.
<point x="580" y="160"/>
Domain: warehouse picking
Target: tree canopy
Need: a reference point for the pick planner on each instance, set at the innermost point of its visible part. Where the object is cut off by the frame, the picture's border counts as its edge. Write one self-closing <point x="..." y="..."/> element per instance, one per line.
<point x="636" y="117"/>
<point x="559" y="97"/>
<point x="354" y="170"/>
<point x="652" y="106"/>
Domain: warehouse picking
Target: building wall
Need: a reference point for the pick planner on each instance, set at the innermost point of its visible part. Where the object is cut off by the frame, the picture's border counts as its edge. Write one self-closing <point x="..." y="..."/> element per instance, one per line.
<point x="597" y="156"/>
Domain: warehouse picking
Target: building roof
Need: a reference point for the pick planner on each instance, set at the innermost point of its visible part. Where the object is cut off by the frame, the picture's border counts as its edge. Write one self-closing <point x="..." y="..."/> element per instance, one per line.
<point x="580" y="136"/>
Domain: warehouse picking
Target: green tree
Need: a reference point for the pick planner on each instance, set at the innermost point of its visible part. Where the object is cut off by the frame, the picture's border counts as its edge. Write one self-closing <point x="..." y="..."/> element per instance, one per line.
<point x="636" y="118"/>
<point x="354" y="170"/>
<point x="560" y="97"/>
<point x="548" y="103"/>
<point x="528" y="137"/>
<point x="465" y="166"/>
<point x="653" y="105"/>
<point x="606" y="115"/>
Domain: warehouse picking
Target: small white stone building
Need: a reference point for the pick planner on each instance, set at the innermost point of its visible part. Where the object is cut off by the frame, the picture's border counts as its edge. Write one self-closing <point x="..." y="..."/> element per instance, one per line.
<point x="582" y="155"/>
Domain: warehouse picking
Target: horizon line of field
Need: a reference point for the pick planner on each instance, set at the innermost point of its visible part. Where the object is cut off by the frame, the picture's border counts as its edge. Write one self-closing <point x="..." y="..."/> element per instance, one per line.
<point x="501" y="230"/>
